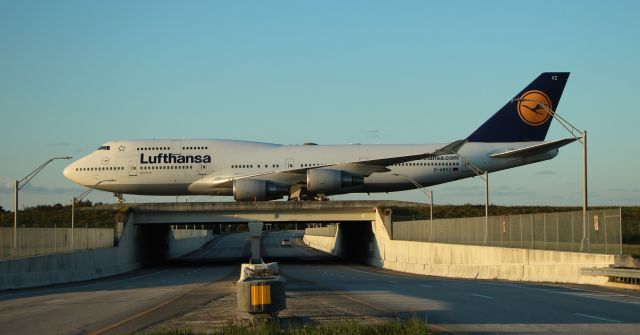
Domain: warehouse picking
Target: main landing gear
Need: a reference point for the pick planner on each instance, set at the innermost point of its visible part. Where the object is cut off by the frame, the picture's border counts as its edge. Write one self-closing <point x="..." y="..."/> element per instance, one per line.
<point x="299" y="193"/>
<point x="119" y="197"/>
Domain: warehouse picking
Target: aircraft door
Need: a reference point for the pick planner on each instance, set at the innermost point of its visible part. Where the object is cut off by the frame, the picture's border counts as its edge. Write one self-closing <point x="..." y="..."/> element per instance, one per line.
<point x="202" y="169"/>
<point x="464" y="166"/>
<point x="176" y="147"/>
<point x="289" y="163"/>
<point x="133" y="168"/>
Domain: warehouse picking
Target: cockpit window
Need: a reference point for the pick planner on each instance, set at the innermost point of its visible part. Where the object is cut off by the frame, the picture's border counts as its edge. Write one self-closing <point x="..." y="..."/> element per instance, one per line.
<point x="105" y="147"/>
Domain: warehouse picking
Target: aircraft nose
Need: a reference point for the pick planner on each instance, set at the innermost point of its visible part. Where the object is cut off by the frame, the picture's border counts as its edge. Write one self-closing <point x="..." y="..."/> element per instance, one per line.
<point x="68" y="172"/>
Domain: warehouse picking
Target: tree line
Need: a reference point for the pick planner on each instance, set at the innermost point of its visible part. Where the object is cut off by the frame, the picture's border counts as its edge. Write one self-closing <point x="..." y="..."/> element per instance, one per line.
<point x="95" y="215"/>
<point x="58" y="215"/>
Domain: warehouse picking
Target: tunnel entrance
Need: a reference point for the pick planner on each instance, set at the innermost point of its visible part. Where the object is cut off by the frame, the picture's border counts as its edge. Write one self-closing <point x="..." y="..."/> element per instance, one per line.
<point x="354" y="239"/>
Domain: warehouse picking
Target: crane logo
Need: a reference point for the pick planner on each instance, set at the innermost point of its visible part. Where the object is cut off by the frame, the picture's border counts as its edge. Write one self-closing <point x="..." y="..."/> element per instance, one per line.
<point x="530" y="109"/>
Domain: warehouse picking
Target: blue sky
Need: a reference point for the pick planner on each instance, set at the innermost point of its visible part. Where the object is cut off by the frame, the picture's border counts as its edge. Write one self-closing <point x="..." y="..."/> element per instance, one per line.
<point x="75" y="74"/>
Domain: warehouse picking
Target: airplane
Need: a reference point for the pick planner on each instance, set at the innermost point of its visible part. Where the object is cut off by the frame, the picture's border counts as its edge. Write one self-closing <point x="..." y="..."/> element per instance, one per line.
<point x="256" y="171"/>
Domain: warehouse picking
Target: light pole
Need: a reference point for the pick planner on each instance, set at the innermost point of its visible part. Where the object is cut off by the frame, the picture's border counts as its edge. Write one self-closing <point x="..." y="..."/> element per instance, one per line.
<point x="484" y="175"/>
<point x="428" y="193"/>
<point x="18" y="186"/>
<point x="580" y="136"/>
<point x="78" y="199"/>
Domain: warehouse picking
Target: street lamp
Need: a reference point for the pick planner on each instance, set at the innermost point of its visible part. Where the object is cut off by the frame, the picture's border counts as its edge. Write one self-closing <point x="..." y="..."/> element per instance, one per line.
<point x="18" y="186"/>
<point x="78" y="199"/>
<point x="484" y="175"/>
<point x="428" y="193"/>
<point x="580" y="136"/>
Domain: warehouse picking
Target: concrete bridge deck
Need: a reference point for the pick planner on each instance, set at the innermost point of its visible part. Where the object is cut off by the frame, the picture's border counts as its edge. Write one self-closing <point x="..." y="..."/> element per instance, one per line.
<point x="275" y="211"/>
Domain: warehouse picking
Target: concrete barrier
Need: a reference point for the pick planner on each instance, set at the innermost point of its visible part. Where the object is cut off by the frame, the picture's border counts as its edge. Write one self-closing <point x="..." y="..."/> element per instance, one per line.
<point x="468" y="261"/>
<point x="138" y="247"/>
<point x="182" y="245"/>
<point x="322" y="243"/>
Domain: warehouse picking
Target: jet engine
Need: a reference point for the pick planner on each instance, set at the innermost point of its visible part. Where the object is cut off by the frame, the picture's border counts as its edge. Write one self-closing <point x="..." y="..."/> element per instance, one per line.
<point x="257" y="190"/>
<point x="326" y="180"/>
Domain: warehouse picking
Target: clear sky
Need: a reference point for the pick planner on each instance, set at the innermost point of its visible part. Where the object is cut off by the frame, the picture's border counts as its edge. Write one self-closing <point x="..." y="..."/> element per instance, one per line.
<point x="75" y="74"/>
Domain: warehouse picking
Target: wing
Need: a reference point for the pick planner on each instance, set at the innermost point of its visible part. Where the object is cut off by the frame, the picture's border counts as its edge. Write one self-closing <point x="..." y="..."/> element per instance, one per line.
<point x="299" y="175"/>
<point x="295" y="176"/>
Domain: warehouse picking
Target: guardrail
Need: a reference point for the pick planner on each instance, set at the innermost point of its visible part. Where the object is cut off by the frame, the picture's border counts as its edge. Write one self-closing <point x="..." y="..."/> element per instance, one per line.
<point x="329" y="231"/>
<point x="629" y="276"/>
<point x="180" y="234"/>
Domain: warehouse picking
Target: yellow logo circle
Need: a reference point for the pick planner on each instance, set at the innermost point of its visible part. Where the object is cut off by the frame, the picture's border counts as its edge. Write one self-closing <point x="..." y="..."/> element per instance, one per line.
<point x="530" y="110"/>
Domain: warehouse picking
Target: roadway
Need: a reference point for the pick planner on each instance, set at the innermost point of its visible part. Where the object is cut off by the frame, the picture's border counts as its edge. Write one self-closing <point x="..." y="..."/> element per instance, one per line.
<point x="103" y="305"/>
<point x="198" y="293"/>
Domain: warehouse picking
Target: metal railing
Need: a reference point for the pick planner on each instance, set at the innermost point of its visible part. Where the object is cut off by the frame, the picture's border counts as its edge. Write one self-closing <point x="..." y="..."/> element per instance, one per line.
<point x="45" y="241"/>
<point x="545" y="231"/>
<point x="329" y="231"/>
<point x="180" y="234"/>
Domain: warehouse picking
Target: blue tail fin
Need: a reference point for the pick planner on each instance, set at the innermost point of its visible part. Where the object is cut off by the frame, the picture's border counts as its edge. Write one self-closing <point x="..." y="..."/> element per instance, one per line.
<point x="525" y="120"/>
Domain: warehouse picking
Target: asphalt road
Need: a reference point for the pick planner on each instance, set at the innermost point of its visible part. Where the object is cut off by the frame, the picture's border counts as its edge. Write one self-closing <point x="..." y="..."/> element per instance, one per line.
<point x="467" y="305"/>
<point x="198" y="293"/>
<point x="101" y="305"/>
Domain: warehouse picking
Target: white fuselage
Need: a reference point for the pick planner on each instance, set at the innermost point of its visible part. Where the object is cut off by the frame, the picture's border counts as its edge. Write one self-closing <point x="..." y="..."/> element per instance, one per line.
<point x="171" y="167"/>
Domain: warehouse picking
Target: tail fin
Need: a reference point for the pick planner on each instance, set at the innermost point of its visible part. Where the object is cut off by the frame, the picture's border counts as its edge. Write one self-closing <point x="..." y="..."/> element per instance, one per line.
<point x="525" y="120"/>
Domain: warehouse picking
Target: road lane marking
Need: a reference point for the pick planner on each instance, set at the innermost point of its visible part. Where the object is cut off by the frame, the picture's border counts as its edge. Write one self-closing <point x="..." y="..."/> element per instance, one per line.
<point x="54" y="301"/>
<point x="357" y="297"/>
<point x="427" y="286"/>
<point x="482" y="296"/>
<point x="596" y="317"/>
<point x="71" y="287"/>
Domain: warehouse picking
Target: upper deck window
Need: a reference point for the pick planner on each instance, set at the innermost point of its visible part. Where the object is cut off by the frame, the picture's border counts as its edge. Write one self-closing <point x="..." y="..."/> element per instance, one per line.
<point x="105" y="147"/>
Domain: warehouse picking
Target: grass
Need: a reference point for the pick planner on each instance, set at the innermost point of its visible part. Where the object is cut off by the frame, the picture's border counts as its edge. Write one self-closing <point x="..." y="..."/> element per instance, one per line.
<point x="349" y="327"/>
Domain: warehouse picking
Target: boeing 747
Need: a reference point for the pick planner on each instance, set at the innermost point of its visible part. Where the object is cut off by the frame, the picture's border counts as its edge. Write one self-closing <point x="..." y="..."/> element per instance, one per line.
<point x="254" y="171"/>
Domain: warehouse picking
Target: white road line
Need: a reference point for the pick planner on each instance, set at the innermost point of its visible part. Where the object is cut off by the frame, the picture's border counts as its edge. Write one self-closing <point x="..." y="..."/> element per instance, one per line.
<point x="54" y="301"/>
<point x="482" y="296"/>
<point x="427" y="286"/>
<point x="72" y="287"/>
<point x="596" y="317"/>
<point x="600" y="295"/>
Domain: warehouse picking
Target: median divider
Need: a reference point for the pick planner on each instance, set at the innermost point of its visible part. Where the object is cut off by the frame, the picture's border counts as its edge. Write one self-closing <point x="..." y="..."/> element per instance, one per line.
<point x="261" y="288"/>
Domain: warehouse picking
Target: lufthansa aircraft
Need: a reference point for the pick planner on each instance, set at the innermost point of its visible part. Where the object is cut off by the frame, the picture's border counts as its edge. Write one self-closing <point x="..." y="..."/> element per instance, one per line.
<point x="254" y="171"/>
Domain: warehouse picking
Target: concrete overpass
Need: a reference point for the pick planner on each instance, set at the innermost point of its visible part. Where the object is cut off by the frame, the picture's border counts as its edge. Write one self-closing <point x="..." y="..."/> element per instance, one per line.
<point x="364" y="234"/>
<point x="268" y="212"/>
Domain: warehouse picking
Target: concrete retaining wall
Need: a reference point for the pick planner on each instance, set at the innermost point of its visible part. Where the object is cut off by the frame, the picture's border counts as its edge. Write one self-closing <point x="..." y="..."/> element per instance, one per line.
<point x="182" y="245"/>
<point x="467" y="261"/>
<point x="135" y="249"/>
<point x="477" y="262"/>
<point x="322" y="243"/>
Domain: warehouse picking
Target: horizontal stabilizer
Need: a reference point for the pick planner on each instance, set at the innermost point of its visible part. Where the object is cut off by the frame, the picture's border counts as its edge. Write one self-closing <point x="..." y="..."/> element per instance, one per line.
<point x="534" y="149"/>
